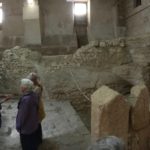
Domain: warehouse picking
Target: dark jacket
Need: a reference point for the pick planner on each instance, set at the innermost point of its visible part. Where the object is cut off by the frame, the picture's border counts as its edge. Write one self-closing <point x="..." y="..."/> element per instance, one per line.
<point x="27" y="116"/>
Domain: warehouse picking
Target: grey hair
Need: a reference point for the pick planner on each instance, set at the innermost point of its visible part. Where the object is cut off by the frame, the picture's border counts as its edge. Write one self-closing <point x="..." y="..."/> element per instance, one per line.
<point x="27" y="83"/>
<point x="108" y="143"/>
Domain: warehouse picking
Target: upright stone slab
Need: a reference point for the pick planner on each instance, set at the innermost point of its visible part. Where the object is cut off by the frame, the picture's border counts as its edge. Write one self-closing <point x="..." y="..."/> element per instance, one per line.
<point x="140" y="140"/>
<point x="140" y="107"/>
<point x="110" y="114"/>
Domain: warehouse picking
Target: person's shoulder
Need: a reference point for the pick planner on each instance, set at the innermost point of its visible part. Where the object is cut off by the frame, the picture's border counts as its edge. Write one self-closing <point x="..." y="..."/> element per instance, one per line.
<point x="28" y="96"/>
<point x="37" y="87"/>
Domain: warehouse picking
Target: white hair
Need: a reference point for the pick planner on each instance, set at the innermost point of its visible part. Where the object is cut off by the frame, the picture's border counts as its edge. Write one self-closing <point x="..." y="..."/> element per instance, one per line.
<point x="27" y="83"/>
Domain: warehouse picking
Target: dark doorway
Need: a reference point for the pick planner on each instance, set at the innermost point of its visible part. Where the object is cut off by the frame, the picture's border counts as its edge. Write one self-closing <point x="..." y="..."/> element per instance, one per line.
<point x="137" y="3"/>
<point x="80" y="23"/>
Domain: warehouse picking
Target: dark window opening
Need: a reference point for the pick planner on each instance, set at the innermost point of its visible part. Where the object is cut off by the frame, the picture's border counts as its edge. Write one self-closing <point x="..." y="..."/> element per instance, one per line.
<point x="1" y="15"/>
<point x="137" y="3"/>
<point x="80" y="23"/>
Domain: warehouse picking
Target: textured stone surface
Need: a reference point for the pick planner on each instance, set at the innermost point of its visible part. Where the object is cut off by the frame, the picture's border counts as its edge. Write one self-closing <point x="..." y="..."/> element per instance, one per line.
<point x="108" y="53"/>
<point x="140" y="140"/>
<point x="138" y="48"/>
<point x="62" y="128"/>
<point x="72" y="77"/>
<point x="76" y="75"/>
<point x="140" y="101"/>
<point x="132" y="73"/>
<point x="16" y="63"/>
<point x="110" y="114"/>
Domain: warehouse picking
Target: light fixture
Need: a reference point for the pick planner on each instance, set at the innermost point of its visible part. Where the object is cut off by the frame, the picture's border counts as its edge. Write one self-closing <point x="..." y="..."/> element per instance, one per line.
<point x="1" y="13"/>
<point x="30" y="2"/>
<point x="80" y="9"/>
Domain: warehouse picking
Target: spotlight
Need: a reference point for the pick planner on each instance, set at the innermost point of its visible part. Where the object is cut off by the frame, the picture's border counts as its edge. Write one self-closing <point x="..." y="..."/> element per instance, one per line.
<point x="30" y="2"/>
<point x="1" y="13"/>
<point x="80" y="9"/>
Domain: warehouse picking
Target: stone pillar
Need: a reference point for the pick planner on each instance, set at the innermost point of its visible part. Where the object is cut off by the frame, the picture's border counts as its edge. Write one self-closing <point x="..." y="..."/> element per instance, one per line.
<point x="119" y="18"/>
<point x="140" y="118"/>
<point x="32" y="33"/>
<point x="110" y="114"/>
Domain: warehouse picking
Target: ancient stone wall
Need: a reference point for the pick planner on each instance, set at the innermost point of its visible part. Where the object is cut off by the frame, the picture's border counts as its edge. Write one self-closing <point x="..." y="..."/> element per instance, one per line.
<point x="76" y="76"/>
<point x="12" y="26"/>
<point x="72" y="77"/>
<point x="136" y="26"/>
<point x="100" y="62"/>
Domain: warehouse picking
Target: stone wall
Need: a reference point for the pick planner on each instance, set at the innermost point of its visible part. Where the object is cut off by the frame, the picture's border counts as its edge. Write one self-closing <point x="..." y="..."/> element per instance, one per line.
<point x="118" y="58"/>
<point x="70" y="76"/>
<point x="136" y="26"/>
<point x="128" y="118"/>
<point x="76" y="76"/>
<point x="138" y="48"/>
<point x="54" y="28"/>
<point x="100" y="62"/>
<point x="12" y="27"/>
<point x="106" y="20"/>
<point x="101" y="23"/>
<point x="57" y="26"/>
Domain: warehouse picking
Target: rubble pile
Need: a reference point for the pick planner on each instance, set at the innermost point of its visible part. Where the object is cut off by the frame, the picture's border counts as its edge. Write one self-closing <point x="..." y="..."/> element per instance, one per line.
<point x="16" y="63"/>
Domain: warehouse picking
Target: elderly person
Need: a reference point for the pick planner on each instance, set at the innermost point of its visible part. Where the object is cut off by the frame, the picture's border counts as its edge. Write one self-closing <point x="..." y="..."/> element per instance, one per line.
<point x="38" y="89"/>
<point x="108" y="143"/>
<point x="27" y="117"/>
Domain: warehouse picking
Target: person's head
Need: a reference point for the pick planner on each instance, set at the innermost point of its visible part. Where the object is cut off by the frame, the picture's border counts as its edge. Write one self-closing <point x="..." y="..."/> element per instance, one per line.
<point x="26" y="85"/>
<point x="33" y="77"/>
<point x="108" y="143"/>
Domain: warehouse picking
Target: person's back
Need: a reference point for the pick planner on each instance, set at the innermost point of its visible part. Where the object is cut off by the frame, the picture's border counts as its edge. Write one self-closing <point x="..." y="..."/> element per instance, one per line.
<point x="108" y="143"/>
<point x="38" y="89"/>
<point x="27" y="118"/>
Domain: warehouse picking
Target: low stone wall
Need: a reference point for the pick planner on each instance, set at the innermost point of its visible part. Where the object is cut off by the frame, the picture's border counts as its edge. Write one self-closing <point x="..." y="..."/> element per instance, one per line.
<point x="77" y="75"/>
<point x="129" y="119"/>
<point x="103" y="54"/>
<point x="69" y="76"/>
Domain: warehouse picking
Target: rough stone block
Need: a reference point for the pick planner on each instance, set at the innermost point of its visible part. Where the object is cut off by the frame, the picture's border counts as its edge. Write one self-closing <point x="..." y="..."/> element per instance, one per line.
<point x="139" y="140"/>
<point x="140" y="107"/>
<point x="94" y="43"/>
<point x="102" y="44"/>
<point x="110" y="114"/>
